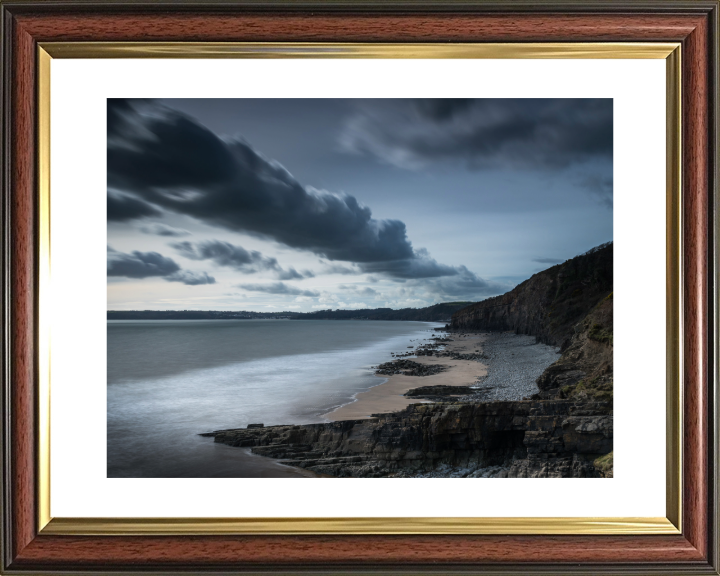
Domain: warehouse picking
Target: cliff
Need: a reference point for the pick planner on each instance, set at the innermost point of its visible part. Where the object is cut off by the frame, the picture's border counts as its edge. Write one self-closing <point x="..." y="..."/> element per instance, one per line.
<point x="585" y="368"/>
<point x="549" y="304"/>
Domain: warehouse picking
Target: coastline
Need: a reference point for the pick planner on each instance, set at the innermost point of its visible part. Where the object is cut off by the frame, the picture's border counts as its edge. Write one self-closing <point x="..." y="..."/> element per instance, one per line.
<point x="537" y="413"/>
<point x="388" y="396"/>
<point x="504" y="367"/>
<point x="475" y="411"/>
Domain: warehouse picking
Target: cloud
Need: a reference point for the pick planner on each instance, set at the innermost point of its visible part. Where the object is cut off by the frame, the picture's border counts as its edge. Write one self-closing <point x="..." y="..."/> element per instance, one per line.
<point x="360" y="291"/>
<point x="122" y="208"/>
<point x="340" y="269"/>
<point x="226" y="254"/>
<point x="327" y="298"/>
<point x="421" y="266"/>
<point x="236" y="257"/>
<point x="599" y="186"/>
<point x="465" y="286"/>
<point x="289" y="274"/>
<point x="535" y="133"/>
<point x="352" y="305"/>
<point x="547" y="260"/>
<point x="163" y="158"/>
<point x="441" y="109"/>
<point x="159" y="148"/>
<point x="152" y="264"/>
<point x="191" y="278"/>
<point x="278" y="288"/>
<point x="139" y="264"/>
<point x="408" y="303"/>
<point x="160" y="229"/>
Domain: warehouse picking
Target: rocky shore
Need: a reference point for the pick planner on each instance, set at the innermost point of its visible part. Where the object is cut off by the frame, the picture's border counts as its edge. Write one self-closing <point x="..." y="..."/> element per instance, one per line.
<point x="514" y="362"/>
<point x="409" y="368"/>
<point x="540" y="438"/>
<point x="520" y="387"/>
<point x="453" y="430"/>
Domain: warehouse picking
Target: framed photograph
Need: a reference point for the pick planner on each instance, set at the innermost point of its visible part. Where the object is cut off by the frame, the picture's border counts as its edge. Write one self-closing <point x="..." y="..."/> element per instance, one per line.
<point x="453" y="265"/>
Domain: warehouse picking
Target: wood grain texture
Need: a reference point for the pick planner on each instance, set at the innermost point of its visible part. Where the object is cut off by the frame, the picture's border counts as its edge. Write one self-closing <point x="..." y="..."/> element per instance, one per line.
<point x="22" y="288"/>
<point x="696" y="188"/>
<point x="320" y="27"/>
<point x="396" y="550"/>
<point x="655" y="553"/>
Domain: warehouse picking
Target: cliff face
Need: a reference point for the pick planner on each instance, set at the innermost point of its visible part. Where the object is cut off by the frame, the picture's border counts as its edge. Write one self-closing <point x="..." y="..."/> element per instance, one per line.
<point x="533" y="438"/>
<point x="549" y="304"/>
<point x="585" y="368"/>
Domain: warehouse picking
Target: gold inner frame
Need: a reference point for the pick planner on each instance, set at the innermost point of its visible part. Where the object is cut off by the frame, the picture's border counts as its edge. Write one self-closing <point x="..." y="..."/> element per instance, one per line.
<point x="671" y="524"/>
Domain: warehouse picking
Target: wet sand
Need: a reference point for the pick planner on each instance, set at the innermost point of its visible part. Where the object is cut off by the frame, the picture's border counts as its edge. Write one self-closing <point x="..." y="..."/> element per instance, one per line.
<point x="388" y="396"/>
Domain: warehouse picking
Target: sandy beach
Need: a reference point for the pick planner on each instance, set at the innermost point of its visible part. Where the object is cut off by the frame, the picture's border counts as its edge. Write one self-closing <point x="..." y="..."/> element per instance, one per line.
<point x="388" y="396"/>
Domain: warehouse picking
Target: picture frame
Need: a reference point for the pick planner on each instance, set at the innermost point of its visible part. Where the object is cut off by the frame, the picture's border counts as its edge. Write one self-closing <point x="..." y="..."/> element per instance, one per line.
<point x="686" y="540"/>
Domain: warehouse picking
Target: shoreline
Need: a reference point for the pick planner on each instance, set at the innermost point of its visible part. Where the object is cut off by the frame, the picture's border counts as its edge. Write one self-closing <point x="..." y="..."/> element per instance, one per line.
<point x="502" y="366"/>
<point x="388" y="396"/>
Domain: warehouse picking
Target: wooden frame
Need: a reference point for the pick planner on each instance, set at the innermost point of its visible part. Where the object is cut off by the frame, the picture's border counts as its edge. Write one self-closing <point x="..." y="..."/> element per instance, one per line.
<point x="27" y="24"/>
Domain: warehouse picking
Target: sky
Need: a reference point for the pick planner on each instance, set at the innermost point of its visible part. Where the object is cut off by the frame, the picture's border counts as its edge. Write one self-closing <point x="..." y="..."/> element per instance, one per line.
<point x="314" y="204"/>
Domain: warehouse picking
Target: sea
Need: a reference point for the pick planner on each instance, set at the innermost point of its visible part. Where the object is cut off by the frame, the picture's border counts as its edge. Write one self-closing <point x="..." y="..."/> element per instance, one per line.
<point x="170" y="380"/>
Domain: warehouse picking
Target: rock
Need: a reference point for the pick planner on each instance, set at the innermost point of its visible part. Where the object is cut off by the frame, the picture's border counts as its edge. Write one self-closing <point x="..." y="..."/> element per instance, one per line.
<point x="528" y="439"/>
<point x="439" y="392"/>
<point x="255" y="425"/>
<point x="409" y="368"/>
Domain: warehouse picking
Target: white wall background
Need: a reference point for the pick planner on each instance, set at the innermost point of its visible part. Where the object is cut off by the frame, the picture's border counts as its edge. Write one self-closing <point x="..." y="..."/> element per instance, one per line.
<point x="79" y="486"/>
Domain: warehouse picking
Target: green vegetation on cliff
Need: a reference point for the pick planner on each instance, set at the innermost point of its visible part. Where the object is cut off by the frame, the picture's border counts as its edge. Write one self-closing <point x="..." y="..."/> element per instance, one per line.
<point x="604" y="465"/>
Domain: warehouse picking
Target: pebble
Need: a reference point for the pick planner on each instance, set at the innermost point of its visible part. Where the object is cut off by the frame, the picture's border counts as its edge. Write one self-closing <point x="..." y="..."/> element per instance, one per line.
<point x="514" y="362"/>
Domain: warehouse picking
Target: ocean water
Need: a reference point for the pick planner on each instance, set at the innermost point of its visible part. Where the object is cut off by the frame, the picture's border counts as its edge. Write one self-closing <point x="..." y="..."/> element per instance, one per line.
<point x="169" y="380"/>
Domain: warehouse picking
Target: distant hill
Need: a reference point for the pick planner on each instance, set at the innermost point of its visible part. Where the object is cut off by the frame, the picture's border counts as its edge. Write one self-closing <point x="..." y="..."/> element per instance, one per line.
<point x="549" y="304"/>
<point x="436" y="313"/>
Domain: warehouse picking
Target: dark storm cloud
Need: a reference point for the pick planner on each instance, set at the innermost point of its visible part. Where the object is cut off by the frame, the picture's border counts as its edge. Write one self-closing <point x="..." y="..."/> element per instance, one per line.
<point x="151" y="264"/>
<point x="536" y="133"/>
<point x="442" y="108"/>
<point x="278" y="288"/>
<point x="117" y="111"/>
<point x="160" y="229"/>
<point x="121" y="208"/>
<point x="422" y="266"/>
<point x="151" y="145"/>
<point x="236" y="257"/>
<point x="226" y="254"/>
<point x="547" y="260"/>
<point x="165" y="158"/>
<point x="139" y="264"/>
